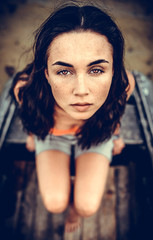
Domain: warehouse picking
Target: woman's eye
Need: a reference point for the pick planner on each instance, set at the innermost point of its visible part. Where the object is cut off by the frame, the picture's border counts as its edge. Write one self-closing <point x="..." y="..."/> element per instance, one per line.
<point x="96" y="71"/>
<point x="63" y="72"/>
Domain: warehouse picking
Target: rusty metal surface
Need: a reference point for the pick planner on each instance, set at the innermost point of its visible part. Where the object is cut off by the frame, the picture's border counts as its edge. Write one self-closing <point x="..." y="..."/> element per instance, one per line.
<point x="130" y="126"/>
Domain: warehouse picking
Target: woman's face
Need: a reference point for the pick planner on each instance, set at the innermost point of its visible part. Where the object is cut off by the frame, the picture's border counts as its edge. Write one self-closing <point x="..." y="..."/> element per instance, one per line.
<point x="79" y="71"/>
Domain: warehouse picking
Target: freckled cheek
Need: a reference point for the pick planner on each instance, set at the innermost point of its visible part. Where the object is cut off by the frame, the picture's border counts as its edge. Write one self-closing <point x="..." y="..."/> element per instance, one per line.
<point x="102" y="92"/>
<point x="59" y="92"/>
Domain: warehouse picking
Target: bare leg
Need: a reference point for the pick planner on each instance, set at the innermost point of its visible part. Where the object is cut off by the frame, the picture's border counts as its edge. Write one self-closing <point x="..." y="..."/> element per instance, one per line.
<point x="73" y="220"/>
<point x="54" y="179"/>
<point x="91" y="176"/>
<point x="89" y="186"/>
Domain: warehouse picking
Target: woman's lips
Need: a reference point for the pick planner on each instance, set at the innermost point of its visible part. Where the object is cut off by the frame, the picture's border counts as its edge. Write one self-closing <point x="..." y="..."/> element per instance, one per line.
<point x="81" y="107"/>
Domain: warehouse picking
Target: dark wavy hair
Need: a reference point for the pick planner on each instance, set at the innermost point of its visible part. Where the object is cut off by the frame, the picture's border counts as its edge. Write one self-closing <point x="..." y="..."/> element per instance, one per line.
<point x="37" y="106"/>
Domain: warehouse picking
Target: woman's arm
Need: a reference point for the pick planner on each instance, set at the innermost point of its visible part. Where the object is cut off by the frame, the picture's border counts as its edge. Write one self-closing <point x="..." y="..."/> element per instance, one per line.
<point x="30" y="144"/>
<point x="119" y="142"/>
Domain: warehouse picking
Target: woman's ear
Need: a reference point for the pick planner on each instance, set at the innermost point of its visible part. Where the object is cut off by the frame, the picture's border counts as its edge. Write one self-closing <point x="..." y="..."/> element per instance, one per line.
<point x="46" y="73"/>
<point x="113" y="72"/>
<point x="17" y="89"/>
<point x="131" y="85"/>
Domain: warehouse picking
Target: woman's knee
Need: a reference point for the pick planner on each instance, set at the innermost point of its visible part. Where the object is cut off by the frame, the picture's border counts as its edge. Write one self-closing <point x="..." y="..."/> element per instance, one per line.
<point x="86" y="207"/>
<point x="55" y="203"/>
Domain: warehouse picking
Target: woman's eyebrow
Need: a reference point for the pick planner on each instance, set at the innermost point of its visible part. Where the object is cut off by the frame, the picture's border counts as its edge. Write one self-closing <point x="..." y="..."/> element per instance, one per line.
<point x="62" y="64"/>
<point x="97" y="62"/>
<point x="70" y="65"/>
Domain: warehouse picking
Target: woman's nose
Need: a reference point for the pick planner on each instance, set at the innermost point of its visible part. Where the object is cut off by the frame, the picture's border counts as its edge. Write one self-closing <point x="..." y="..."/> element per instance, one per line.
<point x="81" y="86"/>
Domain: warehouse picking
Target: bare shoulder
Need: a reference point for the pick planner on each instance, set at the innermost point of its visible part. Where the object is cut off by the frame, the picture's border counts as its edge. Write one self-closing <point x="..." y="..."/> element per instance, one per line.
<point x="20" y="83"/>
<point x="131" y="84"/>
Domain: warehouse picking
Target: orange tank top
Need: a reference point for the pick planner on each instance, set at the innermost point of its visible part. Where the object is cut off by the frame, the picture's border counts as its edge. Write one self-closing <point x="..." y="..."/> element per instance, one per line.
<point x="60" y="132"/>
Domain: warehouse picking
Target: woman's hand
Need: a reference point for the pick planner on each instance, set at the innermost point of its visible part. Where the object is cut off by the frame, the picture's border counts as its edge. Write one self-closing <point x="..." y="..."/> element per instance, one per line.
<point x="118" y="141"/>
<point x="118" y="146"/>
<point x="30" y="143"/>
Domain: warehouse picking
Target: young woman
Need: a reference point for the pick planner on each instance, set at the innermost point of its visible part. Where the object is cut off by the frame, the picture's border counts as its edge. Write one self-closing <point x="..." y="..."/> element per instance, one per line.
<point x="75" y="95"/>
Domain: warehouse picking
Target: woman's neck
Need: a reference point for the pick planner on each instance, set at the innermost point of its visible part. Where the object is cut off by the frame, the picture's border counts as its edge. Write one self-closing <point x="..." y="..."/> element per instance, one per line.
<point x="63" y="121"/>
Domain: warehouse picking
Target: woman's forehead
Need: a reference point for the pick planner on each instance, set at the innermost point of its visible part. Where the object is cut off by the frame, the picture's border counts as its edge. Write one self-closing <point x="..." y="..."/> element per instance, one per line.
<point x="83" y="44"/>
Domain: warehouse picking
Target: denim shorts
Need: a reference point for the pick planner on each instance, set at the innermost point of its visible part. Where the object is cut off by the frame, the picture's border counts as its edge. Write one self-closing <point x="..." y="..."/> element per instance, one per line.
<point x="64" y="143"/>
